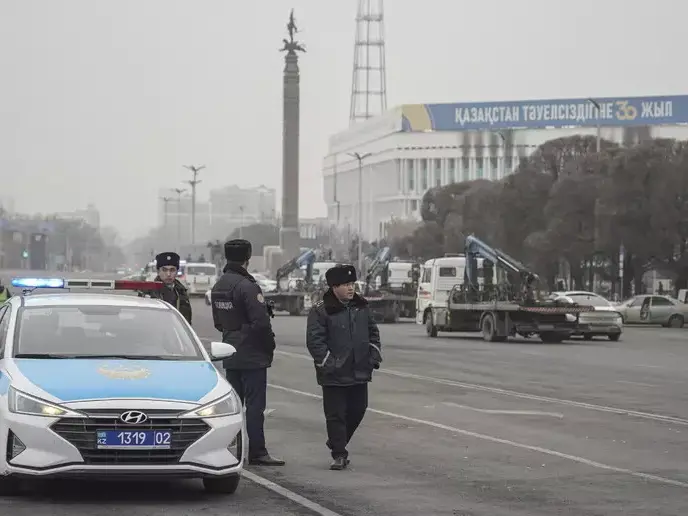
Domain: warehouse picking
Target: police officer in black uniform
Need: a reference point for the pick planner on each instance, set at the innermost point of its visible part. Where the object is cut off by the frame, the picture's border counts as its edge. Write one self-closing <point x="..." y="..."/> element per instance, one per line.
<point x="240" y="313"/>
<point x="173" y="291"/>
<point x="344" y="341"/>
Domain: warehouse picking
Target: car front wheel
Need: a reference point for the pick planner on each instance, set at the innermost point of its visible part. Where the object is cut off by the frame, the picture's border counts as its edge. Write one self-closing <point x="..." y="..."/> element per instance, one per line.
<point x="222" y="485"/>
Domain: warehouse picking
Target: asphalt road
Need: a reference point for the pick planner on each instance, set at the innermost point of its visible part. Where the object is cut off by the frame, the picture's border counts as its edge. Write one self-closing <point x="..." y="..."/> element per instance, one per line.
<point x="456" y="426"/>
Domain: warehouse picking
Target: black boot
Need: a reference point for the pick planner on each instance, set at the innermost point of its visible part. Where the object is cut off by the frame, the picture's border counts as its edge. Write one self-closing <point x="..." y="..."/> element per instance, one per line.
<point x="266" y="460"/>
<point x="339" y="464"/>
<point x="327" y="443"/>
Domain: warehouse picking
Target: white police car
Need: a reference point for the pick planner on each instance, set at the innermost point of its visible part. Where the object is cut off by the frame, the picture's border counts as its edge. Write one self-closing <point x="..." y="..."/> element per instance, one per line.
<point x="108" y="385"/>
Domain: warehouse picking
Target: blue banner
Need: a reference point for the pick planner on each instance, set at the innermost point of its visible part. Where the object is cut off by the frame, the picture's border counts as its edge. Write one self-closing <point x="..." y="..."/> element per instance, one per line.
<point x="533" y="114"/>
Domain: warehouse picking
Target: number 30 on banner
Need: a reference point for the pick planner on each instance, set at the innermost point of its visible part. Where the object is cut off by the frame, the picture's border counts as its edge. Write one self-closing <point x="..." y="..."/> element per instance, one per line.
<point x="625" y="112"/>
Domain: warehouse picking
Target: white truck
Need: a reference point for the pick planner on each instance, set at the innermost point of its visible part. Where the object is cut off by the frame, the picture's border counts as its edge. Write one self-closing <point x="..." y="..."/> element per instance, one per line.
<point x="200" y="277"/>
<point x="470" y="295"/>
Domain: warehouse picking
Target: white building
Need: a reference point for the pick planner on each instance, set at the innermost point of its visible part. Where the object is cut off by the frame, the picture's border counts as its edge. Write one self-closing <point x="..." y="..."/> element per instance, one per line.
<point x="415" y="147"/>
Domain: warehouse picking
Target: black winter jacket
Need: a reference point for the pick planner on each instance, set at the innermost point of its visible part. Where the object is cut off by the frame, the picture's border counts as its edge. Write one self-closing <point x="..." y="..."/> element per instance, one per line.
<point x="343" y="340"/>
<point x="240" y="313"/>
<point x="177" y="296"/>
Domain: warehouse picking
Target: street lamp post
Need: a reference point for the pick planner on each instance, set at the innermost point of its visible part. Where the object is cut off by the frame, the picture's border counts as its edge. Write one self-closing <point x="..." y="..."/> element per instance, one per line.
<point x="360" y="158"/>
<point x="599" y="128"/>
<point x="179" y="192"/>
<point x="166" y="201"/>
<point x="193" y="182"/>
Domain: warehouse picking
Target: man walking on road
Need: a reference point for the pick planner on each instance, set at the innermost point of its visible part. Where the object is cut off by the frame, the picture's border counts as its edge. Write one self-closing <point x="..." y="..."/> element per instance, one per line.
<point x="240" y="313"/>
<point x="344" y="341"/>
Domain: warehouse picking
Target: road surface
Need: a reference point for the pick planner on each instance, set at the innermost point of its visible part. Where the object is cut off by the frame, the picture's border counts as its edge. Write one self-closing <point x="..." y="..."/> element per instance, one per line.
<point x="456" y="426"/>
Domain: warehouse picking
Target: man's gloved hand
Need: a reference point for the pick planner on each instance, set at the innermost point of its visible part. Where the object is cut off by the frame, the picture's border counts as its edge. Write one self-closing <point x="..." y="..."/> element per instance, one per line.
<point x="375" y="358"/>
<point x="270" y="307"/>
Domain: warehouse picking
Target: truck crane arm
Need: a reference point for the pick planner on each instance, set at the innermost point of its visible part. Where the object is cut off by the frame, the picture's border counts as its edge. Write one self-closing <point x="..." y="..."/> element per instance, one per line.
<point x="476" y="247"/>
<point x="377" y="267"/>
<point x="308" y="257"/>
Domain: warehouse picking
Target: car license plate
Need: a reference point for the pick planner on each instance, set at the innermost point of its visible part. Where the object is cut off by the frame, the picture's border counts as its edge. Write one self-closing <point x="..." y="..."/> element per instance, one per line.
<point x="127" y="439"/>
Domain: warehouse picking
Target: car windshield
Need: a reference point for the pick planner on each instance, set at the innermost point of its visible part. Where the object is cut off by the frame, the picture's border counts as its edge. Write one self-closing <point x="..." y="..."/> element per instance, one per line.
<point x="103" y="332"/>
<point x="588" y="300"/>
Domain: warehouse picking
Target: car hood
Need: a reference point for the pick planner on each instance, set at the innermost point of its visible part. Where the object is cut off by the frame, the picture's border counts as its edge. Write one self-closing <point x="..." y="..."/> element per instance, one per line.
<point x="93" y="379"/>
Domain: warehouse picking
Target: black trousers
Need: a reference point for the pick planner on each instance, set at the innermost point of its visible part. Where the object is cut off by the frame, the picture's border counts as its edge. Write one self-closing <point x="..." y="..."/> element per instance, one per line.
<point x="251" y="386"/>
<point x="344" y="410"/>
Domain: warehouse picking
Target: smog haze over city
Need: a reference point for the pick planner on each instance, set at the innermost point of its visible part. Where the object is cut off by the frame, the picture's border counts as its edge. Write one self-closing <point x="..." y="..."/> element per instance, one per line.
<point x="104" y="102"/>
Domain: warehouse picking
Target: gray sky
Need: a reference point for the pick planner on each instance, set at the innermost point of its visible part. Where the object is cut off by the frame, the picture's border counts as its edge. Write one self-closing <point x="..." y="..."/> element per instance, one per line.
<point x="103" y="101"/>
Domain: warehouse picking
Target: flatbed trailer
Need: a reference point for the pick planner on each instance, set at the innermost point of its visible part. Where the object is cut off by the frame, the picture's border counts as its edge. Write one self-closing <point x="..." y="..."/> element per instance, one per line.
<point x="389" y="307"/>
<point x="292" y="301"/>
<point x="499" y="320"/>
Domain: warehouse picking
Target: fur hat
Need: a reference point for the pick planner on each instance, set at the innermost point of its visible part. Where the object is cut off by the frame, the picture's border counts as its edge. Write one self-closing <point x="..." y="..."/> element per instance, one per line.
<point x="340" y="274"/>
<point x="238" y="250"/>
<point x="167" y="260"/>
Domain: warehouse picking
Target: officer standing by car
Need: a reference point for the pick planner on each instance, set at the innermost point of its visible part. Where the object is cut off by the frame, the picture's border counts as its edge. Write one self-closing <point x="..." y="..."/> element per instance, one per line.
<point x="173" y="291"/>
<point x="344" y="341"/>
<point x="4" y="293"/>
<point x="241" y="314"/>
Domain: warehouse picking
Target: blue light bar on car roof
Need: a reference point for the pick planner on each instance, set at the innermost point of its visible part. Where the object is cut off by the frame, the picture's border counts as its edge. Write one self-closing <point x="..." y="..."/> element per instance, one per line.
<point x="38" y="282"/>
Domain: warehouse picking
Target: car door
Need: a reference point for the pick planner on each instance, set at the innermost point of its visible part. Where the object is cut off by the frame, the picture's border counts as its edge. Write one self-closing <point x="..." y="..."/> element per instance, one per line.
<point x="660" y="309"/>
<point x="632" y="314"/>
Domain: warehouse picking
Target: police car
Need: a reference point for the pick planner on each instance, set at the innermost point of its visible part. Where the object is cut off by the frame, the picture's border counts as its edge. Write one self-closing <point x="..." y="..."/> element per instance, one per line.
<point x="100" y="384"/>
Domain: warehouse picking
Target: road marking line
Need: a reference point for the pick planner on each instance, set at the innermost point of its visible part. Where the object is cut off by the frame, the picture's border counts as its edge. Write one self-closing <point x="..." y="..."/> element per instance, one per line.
<point x="516" y="394"/>
<point x="498" y="440"/>
<point x="505" y="412"/>
<point x="636" y="383"/>
<point x="290" y="495"/>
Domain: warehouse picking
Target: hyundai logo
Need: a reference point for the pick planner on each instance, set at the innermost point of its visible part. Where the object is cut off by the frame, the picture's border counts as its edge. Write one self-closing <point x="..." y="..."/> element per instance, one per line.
<point x="134" y="417"/>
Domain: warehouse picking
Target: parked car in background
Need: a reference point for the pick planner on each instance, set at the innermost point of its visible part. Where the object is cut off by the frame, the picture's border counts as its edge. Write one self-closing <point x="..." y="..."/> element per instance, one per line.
<point x="604" y="321"/>
<point x="653" y="309"/>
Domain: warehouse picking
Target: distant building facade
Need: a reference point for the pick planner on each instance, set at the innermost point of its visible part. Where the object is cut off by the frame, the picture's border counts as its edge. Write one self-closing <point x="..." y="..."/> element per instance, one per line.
<point x="90" y="216"/>
<point x="416" y="147"/>
<point x="225" y="210"/>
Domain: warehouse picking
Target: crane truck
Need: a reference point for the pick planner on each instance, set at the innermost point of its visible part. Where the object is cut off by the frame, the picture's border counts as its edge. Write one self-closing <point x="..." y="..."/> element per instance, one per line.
<point x="395" y="296"/>
<point x="500" y="308"/>
<point x="294" y="296"/>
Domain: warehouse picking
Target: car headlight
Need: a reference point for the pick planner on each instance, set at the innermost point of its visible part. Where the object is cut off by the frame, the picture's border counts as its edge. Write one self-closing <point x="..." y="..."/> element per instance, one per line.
<point x="228" y="405"/>
<point x="22" y="403"/>
<point x="618" y="319"/>
<point x="570" y="318"/>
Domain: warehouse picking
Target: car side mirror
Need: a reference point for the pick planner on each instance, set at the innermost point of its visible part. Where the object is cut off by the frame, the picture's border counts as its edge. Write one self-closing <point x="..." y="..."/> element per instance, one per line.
<point x="221" y="350"/>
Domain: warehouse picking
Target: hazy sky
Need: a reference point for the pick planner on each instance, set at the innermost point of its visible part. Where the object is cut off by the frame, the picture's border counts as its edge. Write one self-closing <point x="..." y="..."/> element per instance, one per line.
<point x="103" y="101"/>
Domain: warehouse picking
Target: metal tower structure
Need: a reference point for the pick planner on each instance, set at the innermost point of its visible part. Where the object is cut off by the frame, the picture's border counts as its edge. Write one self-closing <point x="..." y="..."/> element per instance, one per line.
<point x="369" y="81"/>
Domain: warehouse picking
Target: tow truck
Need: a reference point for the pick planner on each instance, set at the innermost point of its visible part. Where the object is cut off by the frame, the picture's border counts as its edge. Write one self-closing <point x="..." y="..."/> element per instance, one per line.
<point x="391" y="299"/>
<point x="499" y="308"/>
<point x="293" y="297"/>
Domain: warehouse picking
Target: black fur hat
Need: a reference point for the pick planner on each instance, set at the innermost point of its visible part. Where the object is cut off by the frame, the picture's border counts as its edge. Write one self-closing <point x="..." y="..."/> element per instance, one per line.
<point x="167" y="260"/>
<point x="238" y="250"/>
<point x="340" y="274"/>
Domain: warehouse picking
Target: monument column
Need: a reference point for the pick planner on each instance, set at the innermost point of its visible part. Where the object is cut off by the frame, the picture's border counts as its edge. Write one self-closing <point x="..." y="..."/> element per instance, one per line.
<point x="289" y="232"/>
